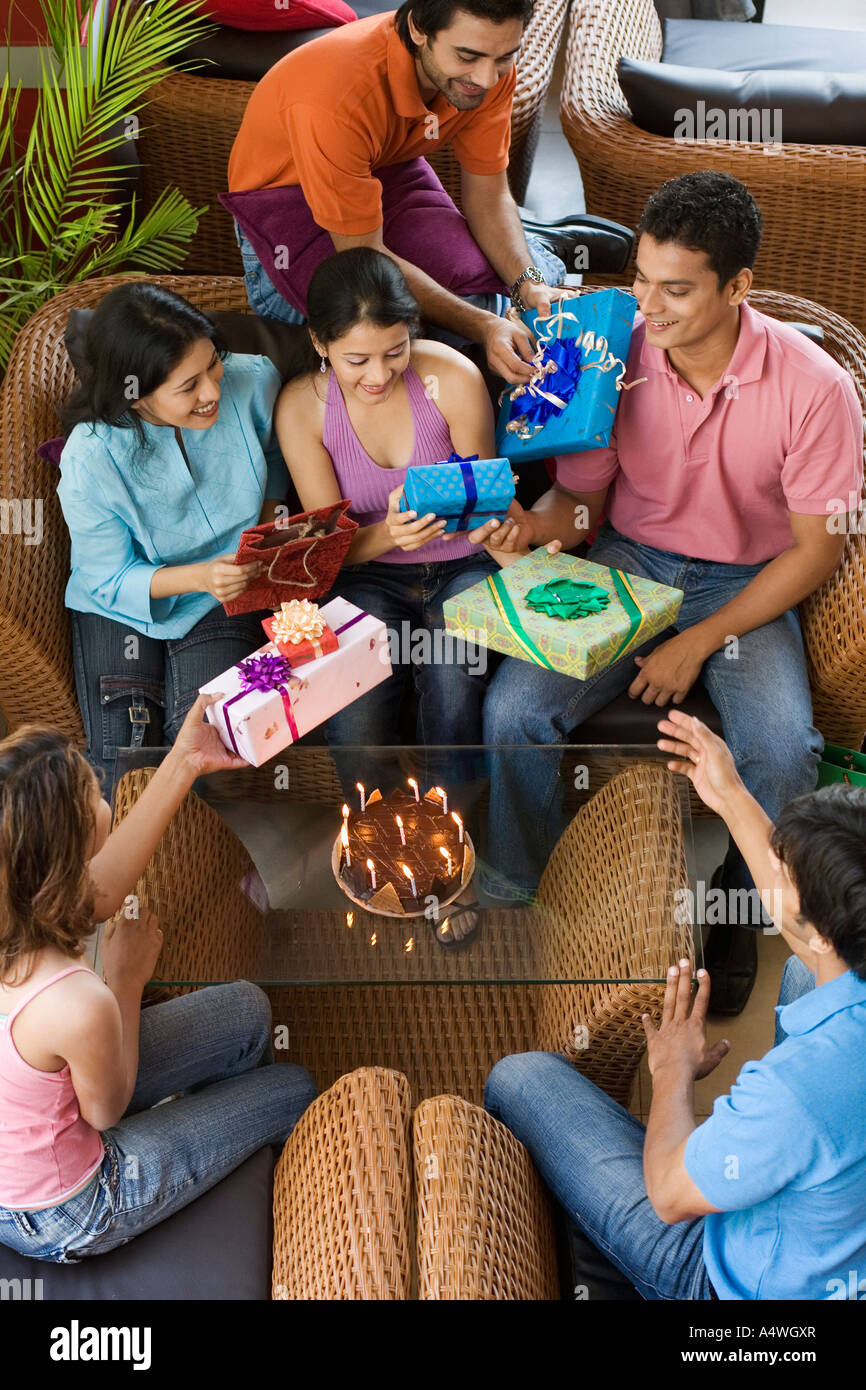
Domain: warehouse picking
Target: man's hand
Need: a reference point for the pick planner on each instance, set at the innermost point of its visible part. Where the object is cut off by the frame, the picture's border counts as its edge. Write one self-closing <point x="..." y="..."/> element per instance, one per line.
<point x="540" y="298"/>
<point x="703" y="757"/>
<point x="509" y="347"/>
<point x="680" y="1042"/>
<point x="199" y="746"/>
<point x="512" y="538"/>
<point x="667" y="675"/>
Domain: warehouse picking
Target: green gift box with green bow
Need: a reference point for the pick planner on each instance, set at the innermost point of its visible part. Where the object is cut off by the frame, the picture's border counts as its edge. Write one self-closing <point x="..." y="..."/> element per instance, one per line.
<point x="563" y="613"/>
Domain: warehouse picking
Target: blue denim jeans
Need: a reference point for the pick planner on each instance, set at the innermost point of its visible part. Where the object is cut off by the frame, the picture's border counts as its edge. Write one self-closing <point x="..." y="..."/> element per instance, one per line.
<point x="589" y="1151"/>
<point x="266" y="301"/>
<point x="449" y="675"/>
<point x="762" y="696"/>
<point x="134" y="692"/>
<point x="215" y="1046"/>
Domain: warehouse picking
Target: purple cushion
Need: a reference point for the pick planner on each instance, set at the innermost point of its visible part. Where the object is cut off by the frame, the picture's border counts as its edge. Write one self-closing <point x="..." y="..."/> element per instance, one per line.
<point x="51" y="450"/>
<point x="420" y="223"/>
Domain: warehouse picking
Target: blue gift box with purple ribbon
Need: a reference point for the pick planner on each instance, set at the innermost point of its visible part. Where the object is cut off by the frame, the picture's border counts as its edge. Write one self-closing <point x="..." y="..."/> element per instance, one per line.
<point x="579" y="374"/>
<point x="465" y="491"/>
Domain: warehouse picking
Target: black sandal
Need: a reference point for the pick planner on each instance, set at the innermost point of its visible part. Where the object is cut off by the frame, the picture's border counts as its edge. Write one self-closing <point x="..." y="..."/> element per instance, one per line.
<point x="450" y="943"/>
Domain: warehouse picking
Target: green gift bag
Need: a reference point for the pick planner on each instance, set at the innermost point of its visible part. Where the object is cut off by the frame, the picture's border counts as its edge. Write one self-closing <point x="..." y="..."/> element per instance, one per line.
<point x="841" y="765"/>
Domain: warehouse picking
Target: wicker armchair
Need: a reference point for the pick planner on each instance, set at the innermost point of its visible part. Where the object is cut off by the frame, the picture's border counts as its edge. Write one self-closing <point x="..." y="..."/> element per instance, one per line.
<point x="483" y="1221"/>
<point x="192" y="121"/>
<point x="342" y="1194"/>
<point x="813" y="197"/>
<point x="36" y="680"/>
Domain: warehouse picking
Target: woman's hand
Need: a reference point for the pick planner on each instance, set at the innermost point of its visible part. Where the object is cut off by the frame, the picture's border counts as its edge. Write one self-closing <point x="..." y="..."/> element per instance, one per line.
<point x="199" y="746"/>
<point x="226" y="580"/>
<point x="403" y="528"/>
<point x="130" y="949"/>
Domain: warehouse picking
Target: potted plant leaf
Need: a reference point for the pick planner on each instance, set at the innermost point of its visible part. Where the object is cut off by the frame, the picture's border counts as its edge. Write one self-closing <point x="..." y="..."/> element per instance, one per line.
<point x="65" y="210"/>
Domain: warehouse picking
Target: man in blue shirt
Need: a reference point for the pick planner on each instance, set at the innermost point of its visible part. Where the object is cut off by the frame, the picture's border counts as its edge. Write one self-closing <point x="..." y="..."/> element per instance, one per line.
<point x="767" y="1198"/>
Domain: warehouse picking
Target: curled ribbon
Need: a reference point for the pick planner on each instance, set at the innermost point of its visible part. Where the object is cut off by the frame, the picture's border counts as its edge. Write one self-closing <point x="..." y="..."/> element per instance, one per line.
<point x="567" y="599"/>
<point x="263" y="672"/>
<point x="298" y="621"/>
<point x="558" y="365"/>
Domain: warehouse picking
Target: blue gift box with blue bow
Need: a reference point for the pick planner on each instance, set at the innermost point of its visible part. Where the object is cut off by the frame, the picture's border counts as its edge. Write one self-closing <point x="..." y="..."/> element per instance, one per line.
<point x="465" y="491"/>
<point x="570" y="403"/>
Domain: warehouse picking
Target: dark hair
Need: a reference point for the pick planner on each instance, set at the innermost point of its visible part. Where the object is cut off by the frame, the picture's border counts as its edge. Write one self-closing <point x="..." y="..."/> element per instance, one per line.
<point x="46" y="827"/>
<point x="822" y="839"/>
<point x="710" y="212"/>
<point x="360" y="285"/>
<point x="139" y="332"/>
<point x="432" y="15"/>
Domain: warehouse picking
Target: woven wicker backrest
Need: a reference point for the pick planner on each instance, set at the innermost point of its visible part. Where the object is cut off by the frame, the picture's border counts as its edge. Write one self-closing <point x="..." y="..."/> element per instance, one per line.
<point x="194" y="883"/>
<point x="35" y="647"/>
<point x="484" y="1228"/>
<point x="606" y="899"/>
<point x="342" y="1194"/>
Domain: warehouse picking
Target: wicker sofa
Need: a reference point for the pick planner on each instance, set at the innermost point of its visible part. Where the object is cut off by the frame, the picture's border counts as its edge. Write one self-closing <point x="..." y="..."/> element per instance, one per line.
<point x="36" y="680"/>
<point x="192" y="121"/>
<point x="813" y="197"/>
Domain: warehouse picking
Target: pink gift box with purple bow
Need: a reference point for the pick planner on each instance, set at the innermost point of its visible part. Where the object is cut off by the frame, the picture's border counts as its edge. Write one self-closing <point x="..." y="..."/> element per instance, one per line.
<point x="268" y="704"/>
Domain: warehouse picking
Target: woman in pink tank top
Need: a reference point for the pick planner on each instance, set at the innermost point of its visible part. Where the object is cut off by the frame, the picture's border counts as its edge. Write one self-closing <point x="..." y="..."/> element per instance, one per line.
<point x="376" y="399"/>
<point x="85" y="1161"/>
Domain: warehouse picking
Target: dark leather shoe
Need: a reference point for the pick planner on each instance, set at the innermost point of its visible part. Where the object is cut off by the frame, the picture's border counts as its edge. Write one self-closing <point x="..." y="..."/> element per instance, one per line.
<point x="585" y="243"/>
<point x="731" y="957"/>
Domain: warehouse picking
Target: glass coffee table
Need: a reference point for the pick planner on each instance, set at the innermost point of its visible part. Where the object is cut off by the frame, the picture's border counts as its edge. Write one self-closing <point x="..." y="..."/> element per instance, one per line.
<point x="583" y="868"/>
<point x="247" y="887"/>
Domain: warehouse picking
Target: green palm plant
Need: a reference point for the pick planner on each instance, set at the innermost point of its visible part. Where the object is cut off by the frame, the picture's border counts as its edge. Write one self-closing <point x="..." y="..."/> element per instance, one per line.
<point x="63" y="216"/>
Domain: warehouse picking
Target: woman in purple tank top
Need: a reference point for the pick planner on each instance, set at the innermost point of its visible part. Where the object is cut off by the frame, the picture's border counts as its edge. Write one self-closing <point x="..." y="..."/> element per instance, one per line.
<point x="375" y="400"/>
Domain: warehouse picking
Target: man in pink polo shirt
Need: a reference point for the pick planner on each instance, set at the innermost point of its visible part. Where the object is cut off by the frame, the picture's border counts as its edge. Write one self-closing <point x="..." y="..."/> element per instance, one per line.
<point x="721" y="472"/>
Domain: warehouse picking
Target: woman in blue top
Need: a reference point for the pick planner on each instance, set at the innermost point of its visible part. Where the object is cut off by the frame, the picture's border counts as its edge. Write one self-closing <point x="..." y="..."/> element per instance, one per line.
<point x="170" y="456"/>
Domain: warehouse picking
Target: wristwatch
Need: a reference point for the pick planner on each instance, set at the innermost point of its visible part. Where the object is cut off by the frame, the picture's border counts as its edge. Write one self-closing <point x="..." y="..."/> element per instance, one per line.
<point x="530" y="273"/>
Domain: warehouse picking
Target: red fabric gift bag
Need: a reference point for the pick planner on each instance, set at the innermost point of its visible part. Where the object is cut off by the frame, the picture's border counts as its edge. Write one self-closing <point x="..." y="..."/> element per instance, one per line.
<point x="304" y="554"/>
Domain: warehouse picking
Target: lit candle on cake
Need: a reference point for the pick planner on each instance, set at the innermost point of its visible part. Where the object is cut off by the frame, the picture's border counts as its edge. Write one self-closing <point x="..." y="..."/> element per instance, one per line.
<point x="399" y="820"/>
<point x="440" y="792"/>
<point x="414" y="785"/>
<point x="371" y="866"/>
<point x="443" y="851"/>
<point x="361" y="793"/>
<point x="344" y="841"/>
<point x="345" y="815"/>
<point x="408" y="872"/>
<point x="458" y="822"/>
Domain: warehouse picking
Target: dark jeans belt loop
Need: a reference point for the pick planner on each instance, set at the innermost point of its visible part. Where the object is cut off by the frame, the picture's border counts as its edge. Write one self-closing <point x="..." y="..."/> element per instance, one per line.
<point x="139" y="717"/>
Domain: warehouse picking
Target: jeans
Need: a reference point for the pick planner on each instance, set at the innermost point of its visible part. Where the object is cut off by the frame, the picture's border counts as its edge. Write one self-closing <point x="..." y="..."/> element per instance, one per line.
<point x="762" y="696"/>
<point x="135" y="691"/>
<point x="450" y="675"/>
<point x="215" y="1046"/>
<point x="267" y="302"/>
<point x="589" y="1151"/>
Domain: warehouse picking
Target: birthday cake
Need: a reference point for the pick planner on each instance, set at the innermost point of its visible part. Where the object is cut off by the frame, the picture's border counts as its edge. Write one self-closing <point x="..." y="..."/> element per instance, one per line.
<point x="399" y="850"/>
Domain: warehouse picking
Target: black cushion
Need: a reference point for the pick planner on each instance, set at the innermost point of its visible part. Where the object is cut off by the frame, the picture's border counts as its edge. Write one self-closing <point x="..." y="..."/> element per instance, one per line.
<point x="219" y="1247"/>
<point x="283" y="343"/>
<point x="246" y="55"/>
<point x="794" y="106"/>
<point x="631" y="721"/>
<point x="708" y="43"/>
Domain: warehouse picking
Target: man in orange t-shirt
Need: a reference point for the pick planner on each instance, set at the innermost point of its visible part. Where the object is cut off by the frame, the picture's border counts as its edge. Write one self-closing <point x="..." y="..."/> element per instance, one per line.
<point x="330" y="155"/>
